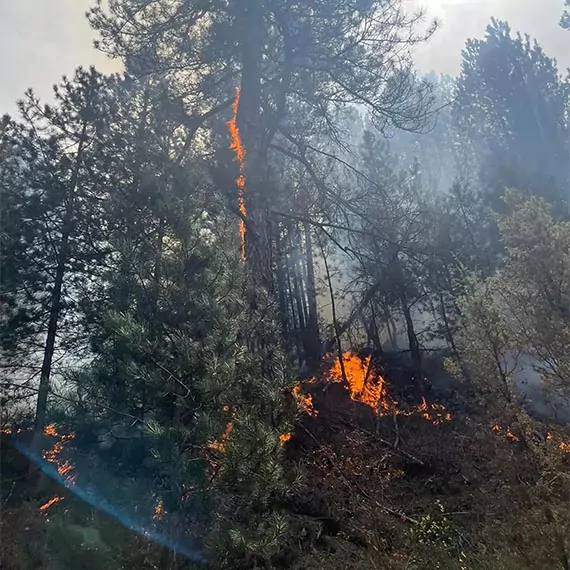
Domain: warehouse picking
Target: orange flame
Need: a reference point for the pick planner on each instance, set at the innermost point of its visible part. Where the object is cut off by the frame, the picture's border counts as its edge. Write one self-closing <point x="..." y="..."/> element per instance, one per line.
<point x="508" y="433"/>
<point x="304" y="402"/>
<point x="370" y="388"/>
<point x="8" y="431"/>
<point x="561" y="445"/>
<point x="51" y="502"/>
<point x="64" y="467"/>
<point x="159" y="511"/>
<point x="284" y="438"/>
<point x="239" y="150"/>
<point x="221" y="444"/>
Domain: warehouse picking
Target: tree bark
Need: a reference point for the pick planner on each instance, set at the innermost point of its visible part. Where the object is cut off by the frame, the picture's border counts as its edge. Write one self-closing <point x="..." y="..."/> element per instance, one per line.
<point x="55" y="301"/>
<point x="258" y="245"/>
<point x="415" y="351"/>
<point x="313" y="320"/>
<point x="335" y="320"/>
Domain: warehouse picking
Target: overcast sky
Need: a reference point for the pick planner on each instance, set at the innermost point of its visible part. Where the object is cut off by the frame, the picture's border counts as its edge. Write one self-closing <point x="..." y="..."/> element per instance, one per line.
<point x="40" y="40"/>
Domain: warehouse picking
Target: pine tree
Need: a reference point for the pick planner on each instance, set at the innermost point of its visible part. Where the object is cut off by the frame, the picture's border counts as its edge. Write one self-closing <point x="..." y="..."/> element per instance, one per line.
<point x="513" y="104"/>
<point x="200" y="414"/>
<point x="315" y="60"/>
<point x="56" y="200"/>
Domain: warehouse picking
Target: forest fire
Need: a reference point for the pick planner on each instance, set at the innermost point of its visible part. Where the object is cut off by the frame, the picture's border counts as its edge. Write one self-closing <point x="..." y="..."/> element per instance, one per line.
<point x="53" y="455"/>
<point x="305" y="401"/>
<point x="220" y="445"/>
<point x="508" y="433"/>
<point x="159" y="511"/>
<point x="284" y="438"/>
<point x="8" y="431"/>
<point x="561" y="445"/>
<point x="239" y="150"/>
<point x="368" y="387"/>
<point x="51" y="502"/>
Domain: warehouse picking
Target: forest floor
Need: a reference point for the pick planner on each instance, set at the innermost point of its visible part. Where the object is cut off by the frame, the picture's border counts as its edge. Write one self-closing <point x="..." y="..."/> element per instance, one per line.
<point x="448" y="489"/>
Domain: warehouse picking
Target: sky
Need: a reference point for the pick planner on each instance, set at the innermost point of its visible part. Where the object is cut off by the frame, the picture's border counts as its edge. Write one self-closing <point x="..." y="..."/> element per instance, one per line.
<point x="41" y="40"/>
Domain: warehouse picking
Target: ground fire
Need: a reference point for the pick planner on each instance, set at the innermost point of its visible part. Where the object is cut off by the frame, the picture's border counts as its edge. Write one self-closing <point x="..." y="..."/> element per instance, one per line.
<point x="54" y="454"/>
<point x="561" y="445"/>
<point x="239" y="150"/>
<point x="158" y="511"/>
<point x="51" y="502"/>
<point x="508" y="433"/>
<point x="365" y="385"/>
<point x="220" y="445"/>
<point x="305" y="401"/>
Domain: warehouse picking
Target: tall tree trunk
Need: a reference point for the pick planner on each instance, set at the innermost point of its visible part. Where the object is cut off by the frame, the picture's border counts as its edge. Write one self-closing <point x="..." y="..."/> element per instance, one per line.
<point x="313" y="320"/>
<point x="336" y="326"/>
<point x="374" y="334"/>
<point x="413" y="342"/>
<point x="258" y="245"/>
<point x="447" y="328"/>
<point x="282" y="288"/>
<point x="55" y="301"/>
<point x="294" y="321"/>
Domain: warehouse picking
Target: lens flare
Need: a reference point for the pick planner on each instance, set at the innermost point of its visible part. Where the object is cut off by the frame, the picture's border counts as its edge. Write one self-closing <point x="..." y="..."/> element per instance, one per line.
<point x="123" y="514"/>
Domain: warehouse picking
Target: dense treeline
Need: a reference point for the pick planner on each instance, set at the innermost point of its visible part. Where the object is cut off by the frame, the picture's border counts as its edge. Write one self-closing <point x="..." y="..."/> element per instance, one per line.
<point x="266" y="184"/>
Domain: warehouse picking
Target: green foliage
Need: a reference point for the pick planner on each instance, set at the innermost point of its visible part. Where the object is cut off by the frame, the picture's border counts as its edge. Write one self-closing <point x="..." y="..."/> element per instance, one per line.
<point x="525" y="307"/>
<point x="437" y="531"/>
<point x="512" y="107"/>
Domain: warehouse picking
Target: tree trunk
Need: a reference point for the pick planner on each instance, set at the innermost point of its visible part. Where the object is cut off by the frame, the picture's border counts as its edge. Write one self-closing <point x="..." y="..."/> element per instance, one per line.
<point x="258" y="245"/>
<point x="335" y="320"/>
<point x="298" y="300"/>
<point x="295" y="327"/>
<point x="448" y="332"/>
<point x="374" y="334"/>
<point x="55" y="301"/>
<point x="415" y="351"/>
<point x="313" y="320"/>
<point x="282" y="289"/>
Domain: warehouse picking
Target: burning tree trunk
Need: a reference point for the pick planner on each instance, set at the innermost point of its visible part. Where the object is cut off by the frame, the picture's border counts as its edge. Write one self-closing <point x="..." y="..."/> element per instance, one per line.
<point x="257" y="246"/>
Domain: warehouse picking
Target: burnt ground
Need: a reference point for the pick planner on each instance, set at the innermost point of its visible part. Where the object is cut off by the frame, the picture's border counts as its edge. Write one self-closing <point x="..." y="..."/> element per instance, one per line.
<point x="393" y="493"/>
<point x="400" y="492"/>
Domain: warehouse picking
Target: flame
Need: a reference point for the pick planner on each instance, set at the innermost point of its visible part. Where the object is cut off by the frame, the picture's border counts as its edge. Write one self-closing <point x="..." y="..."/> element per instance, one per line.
<point x="368" y="387"/>
<point x="51" y="502"/>
<point x="8" y="431"/>
<point x="561" y="445"/>
<point x="51" y="430"/>
<point x="284" y="438"/>
<point x="159" y="511"/>
<point x="221" y="444"/>
<point x="304" y="402"/>
<point x="508" y="433"/>
<point x="64" y="467"/>
<point x="239" y="150"/>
